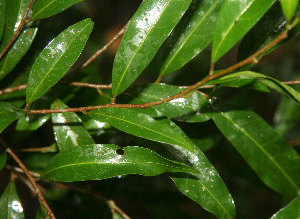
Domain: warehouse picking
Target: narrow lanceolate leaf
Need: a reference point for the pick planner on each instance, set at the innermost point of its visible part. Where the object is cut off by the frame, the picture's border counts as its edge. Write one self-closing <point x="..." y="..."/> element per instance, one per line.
<point x="292" y="210"/>
<point x="141" y="125"/>
<point x="3" y="158"/>
<point x="17" y="51"/>
<point x="206" y="187"/>
<point x="235" y="19"/>
<point x="10" y="204"/>
<point x="193" y="109"/>
<point x="56" y="59"/>
<point x="276" y="163"/>
<point x="68" y="129"/>
<point x="8" y="114"/>
<point x="94" y="162"/>
<point x="47" y="8"/>
<point x="2" y="16"/>
<point x="194" y="37"/>
<point x="14" y="13"/>
<point x="289" y="8"/>
<point x="149" y="27"/>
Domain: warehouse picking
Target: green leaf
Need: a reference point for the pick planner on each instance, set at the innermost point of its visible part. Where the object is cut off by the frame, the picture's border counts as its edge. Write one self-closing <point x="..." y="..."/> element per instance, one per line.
<point x="42" y="213"/>
<point x="292" y="210"/>
<point x="8" y="114"/>
<point x="94" y="162"/>
<point x="17" y="51"/>
<point x="194" y="36"/>
<point x="140" y="124"/>
<point x="235" y="19"/>
<point x="56" y="59"/>
<point x="192" y="109"/>
<point x="68" y="129"/>
<point x="276" y="163"/>
<point x="3" y="158"/>
<point x="149" y="27"/>
<point x="47" y="8"/>
<point x="289" y="8"/>
<point x="2" y="17"/>
<point x="10" y="204"/>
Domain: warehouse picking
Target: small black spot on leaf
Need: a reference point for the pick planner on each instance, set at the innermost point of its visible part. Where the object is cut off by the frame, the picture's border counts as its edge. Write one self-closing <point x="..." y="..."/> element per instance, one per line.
<point x="120" y="151"/>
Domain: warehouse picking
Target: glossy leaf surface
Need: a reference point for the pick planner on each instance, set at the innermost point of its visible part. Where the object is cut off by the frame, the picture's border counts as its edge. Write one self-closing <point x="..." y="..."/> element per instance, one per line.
<point x="10" y="204"/>
<point x="235" y="19"/>
<point x="94" y="162"/>
<point x="276" y="163"/>
<point x="2" y="16"/>
<point x="192" y="109"/>
<point x="68" y="129"/>
<point x="8" y="114"/>
<point x="56" y="59"/>
<point x="47" y="8"/>
<point x="3" y="158"/>
<point x="292" y="210"/>
<point x="194" y="37"/>
<point x="289" y="8"/>
<point x="141" y="125"/>
<point x="17" y="51"/>
<point x="149" y="27"/>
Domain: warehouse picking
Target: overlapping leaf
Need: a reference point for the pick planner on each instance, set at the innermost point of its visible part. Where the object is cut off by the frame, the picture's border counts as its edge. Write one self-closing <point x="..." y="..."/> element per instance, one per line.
<point x="2" y="16"/>
<point x="289" y="8"/>
<point x="68" y="129"/>
<point x="194" y="36"/>
<point x="55" y="60"/>
<point x="235" y="19"/>
<point x="149" y="27"/>
<point x="8" y="114"/>
<point x="10" y="204"/>
<point x="292" y="210"/>
<point x="94" y="162"/>
<point x="140" y="124"/>
<point x="3" y="158"/>
<point x="47" y="8"/>
<point x="276" y="163"/>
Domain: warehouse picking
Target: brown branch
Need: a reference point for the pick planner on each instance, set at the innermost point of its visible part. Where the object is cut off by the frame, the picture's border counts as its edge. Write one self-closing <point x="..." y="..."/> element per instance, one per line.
<point x="22" y="23"/>
<point x="13" y="89"/>
<point x="30" y="177"/>
<point x="251" y="59"/>
<point x="292" y="82"/>
<point x="81" y="84"/>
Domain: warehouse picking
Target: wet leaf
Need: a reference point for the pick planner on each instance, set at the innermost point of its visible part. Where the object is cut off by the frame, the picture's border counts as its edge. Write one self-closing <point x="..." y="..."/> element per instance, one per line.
<point x="235" y="19"/>
<point x="192" y="109"/>
<point x="2" y="16"/>
<point x="292" y="210"/>
<point x="94" y="162"/>
<point x="47" y="8"/>
<point x="149" y="27"/>
<point x="68" y="129"/>
<point x="17" y="51"/>
<point x="8" y="114"/>
<point x="10" y="204"/>
<point x="140" y="124"/>
<point x="56" y="59"/>
<point x="3" y="158"/>
<point x="276" y="163"/>
<point x="289" y="8"/>
<point x="194" y="36"/>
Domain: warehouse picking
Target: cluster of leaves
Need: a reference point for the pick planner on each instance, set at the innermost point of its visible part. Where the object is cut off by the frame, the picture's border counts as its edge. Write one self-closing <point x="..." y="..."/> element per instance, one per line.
<point x="148" y="113"/>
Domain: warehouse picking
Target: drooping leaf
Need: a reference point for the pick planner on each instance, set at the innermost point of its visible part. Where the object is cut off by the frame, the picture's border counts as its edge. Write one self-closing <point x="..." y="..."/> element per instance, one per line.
<point x="17" y="51"/>
<point x="276" y="163"/>
<point x="292" y="210"/>
<point x="289" y="8"/>
<point x="10" y="204"/>
<point x="3" y="158"/>
<point x="56" y="58"/>
<point x="68" y="129"/>
<point x="47" y="8"/>
<point x="192" y="109"/>
<point x="140" y="124"/>
<point x="149" y="27"/>
<point x="2" y="17"/>
<point x="94" y="162"/>
<point x="8" y="114"/>
<point x="194" y="36"/>
<point x="235" y="19"/>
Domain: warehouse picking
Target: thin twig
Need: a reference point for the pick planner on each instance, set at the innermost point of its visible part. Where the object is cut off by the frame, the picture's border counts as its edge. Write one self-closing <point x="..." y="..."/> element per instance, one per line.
<point x="292" y="82"/>
<point x="250" y="59"/>
<point x="30" y="177"/>
<point x="81" y="84"/>
<point x="19" y="170"/>
<point x="22" y="23"/>
<point x="13" y="89"/>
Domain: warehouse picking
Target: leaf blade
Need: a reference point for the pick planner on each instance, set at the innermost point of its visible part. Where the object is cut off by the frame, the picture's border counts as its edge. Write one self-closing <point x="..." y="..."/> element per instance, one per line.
<point x="289" y="211"/>
<point x="289" y="8"/>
